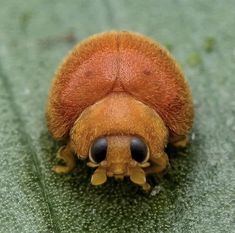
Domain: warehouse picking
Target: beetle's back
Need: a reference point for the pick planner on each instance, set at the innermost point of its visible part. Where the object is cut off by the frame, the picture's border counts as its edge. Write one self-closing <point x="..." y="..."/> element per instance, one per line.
<point x="119" y="61"/>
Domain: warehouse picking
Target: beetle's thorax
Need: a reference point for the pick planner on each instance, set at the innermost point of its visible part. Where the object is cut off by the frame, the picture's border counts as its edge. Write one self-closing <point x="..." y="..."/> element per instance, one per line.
<point x="118" y="114"/>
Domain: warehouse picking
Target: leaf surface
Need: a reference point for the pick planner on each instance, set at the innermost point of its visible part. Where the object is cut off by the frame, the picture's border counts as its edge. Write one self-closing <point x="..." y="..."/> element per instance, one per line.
<point x="198" y="193"/>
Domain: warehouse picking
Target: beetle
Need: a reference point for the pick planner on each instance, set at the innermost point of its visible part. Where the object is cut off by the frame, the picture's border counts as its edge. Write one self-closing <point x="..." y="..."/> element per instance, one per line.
<point x="117" y="100"/>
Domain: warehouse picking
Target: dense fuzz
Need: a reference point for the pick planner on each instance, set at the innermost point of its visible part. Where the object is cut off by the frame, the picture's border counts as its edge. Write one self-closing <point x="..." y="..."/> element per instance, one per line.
<point x="119" y="62"/>
<point x="118" y="114"/>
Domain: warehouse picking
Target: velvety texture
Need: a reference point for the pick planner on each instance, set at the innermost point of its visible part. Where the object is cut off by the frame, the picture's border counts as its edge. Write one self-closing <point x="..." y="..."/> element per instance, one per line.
<point x="113" y="62"/>
<point x="198" y="193"/>
<point x="119" y="114"/>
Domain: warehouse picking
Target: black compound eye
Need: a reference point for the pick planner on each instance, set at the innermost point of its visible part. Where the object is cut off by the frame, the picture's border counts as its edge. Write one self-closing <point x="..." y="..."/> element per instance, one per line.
<point x="139" y="150"/>
<point x="98" y="150"/>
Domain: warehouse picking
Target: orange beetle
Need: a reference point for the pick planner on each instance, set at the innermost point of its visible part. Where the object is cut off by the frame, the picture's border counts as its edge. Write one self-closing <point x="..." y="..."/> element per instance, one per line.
<point x="117" y="100"/>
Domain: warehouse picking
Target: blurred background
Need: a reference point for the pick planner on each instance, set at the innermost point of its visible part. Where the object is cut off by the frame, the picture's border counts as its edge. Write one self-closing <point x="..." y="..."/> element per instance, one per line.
<point x="198" y="193"/>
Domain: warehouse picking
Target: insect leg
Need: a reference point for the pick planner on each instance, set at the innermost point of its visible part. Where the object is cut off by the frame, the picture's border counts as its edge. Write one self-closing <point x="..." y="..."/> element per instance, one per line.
<point x="159" y="164"/>
<point x="65" y="154"/>
<point x="179" y="141"/>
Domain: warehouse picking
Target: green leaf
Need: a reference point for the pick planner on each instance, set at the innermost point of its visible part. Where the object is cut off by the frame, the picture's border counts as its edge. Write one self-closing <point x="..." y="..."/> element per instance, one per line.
<point x="198" y="193"/>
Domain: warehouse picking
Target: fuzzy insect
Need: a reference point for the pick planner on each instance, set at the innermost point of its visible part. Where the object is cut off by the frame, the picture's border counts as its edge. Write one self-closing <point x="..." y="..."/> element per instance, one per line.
<point x="117" y="100"/>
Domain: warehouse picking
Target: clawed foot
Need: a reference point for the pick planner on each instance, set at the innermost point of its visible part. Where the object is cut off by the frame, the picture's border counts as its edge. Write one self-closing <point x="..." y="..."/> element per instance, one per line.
<point x="66" y="155"/>
<point x="147" y="187"/>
